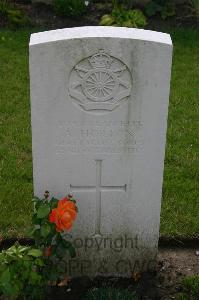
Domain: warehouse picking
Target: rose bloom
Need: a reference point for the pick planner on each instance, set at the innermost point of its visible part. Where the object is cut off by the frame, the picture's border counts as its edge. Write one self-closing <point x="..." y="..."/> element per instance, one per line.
<point x="64" y="215"/>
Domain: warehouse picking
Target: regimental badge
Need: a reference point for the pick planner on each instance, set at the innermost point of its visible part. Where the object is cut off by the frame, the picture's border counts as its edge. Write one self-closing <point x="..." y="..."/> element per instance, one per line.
<point x="100" y="82"/>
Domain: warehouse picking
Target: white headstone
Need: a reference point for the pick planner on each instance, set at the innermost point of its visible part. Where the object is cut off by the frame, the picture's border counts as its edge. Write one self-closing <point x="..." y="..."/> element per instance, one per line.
<point x="99" y="102"/>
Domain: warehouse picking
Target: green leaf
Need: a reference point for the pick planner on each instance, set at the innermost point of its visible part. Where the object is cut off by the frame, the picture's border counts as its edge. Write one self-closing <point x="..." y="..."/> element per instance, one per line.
<point x="22" y="249"/>
<point x="5" y="277"/>
<point x="53" y="203"/>
<point x="10" y="290"/>
<point x="34" y="277"/>
<point x="27" y="263"/>
<point x="45" y="230"/>
<point x="39" y="262"/>
<point x="35" y="199"/>
<point x="2" y="258"/>
<point x="36" y="220"/>
<point x="43" y="211"/>
<point x="73" y="200"/>
<point x="107" y="20"/>
<point x="35" y="253"/>
<point x="69" y="247"/>
<point x="31" y="231"/>
<point x="168" y="10"/>
<point x="152" y="8"/>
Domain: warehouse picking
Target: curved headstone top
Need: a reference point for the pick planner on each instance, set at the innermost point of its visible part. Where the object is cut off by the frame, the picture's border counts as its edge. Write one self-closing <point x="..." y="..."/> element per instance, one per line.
<point x="100" y="31"/>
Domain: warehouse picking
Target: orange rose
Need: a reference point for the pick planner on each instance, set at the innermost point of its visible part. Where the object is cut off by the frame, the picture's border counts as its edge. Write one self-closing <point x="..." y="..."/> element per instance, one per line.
<point x="64" y="215"/>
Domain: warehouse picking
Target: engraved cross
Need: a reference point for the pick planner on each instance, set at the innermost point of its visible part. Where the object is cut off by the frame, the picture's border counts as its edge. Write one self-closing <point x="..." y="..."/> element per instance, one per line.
<point x="98" y="188"/>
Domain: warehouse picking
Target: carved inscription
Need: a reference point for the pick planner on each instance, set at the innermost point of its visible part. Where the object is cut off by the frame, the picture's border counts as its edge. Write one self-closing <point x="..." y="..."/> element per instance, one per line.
<point x="98" y="137"/>
<point x="100" y="82"/>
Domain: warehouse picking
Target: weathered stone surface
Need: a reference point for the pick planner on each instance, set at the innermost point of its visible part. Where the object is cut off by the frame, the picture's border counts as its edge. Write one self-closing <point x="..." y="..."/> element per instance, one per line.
<point x="99" y="101"/>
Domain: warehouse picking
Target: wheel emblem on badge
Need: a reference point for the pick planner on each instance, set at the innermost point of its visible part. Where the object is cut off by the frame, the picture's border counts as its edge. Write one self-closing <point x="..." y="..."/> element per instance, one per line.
<point x="100" y="82"/>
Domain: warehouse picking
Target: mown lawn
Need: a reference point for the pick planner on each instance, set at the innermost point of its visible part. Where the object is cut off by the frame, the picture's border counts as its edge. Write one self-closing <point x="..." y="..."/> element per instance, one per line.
<point x="180" y="206"/>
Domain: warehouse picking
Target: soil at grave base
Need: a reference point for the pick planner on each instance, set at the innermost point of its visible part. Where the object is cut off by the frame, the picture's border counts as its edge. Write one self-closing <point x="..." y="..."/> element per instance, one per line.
<point x="172" y="266"/>
<point x="42" y="15"/>
<point x="177" y="258"/>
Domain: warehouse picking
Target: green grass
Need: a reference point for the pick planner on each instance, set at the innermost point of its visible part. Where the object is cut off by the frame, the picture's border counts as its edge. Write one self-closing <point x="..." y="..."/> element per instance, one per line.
<point x="180" y="204"/>
<point x="190" y="288"/>
<point x="15" y="134"/>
